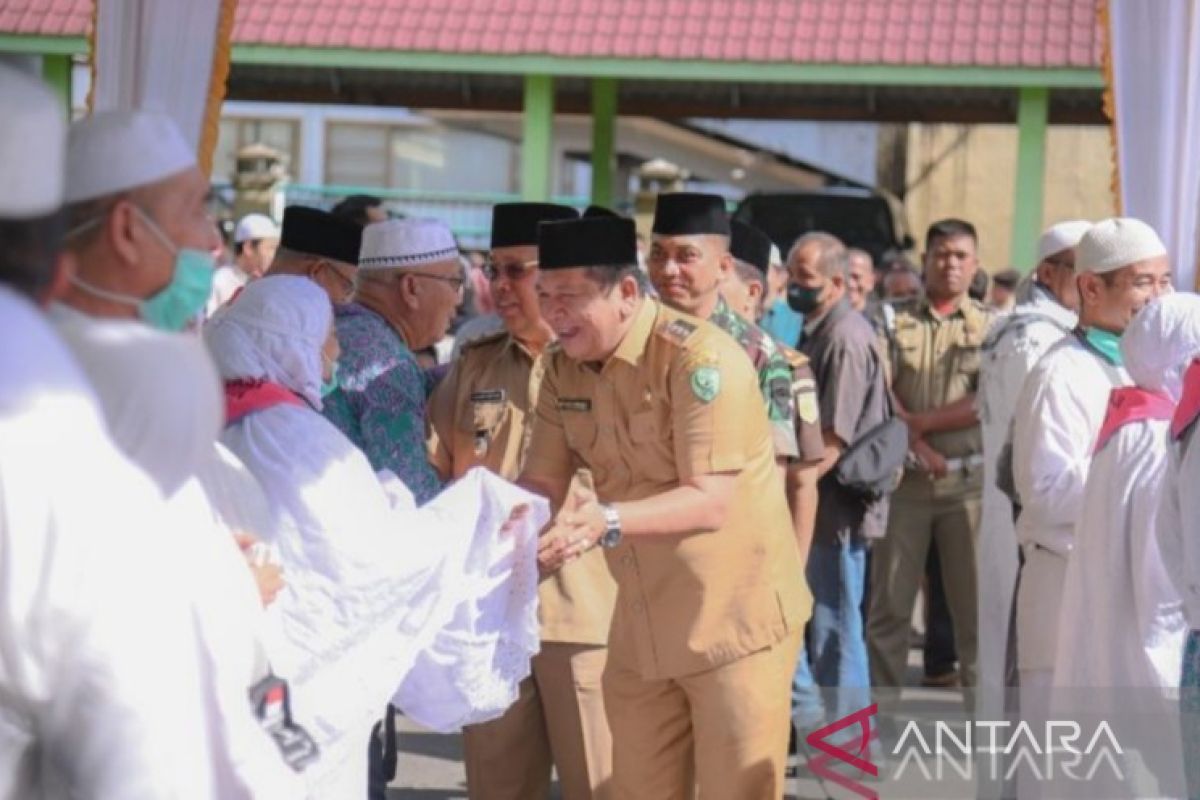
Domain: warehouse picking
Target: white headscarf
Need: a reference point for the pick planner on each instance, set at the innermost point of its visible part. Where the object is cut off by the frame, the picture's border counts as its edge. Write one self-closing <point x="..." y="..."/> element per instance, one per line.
<point x="1161" y="341"/>
<point x="274" y="331"/>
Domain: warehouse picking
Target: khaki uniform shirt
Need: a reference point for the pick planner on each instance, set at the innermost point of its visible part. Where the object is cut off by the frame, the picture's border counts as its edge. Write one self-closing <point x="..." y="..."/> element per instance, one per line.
<point x="480" y="415"/>
<point x="935" y="361"/>
<point x="679" y="399"/>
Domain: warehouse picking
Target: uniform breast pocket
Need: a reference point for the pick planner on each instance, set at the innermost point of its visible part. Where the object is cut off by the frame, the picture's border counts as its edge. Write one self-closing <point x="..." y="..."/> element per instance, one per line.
<point x="653" y="451"/>
<point x="580" y="429"/>
<point x="909" y="355"/>
<point x="967" y="358"/>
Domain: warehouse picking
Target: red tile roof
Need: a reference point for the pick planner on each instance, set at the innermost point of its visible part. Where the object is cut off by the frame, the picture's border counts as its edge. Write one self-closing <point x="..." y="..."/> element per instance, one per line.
<point x="989" y="33"/>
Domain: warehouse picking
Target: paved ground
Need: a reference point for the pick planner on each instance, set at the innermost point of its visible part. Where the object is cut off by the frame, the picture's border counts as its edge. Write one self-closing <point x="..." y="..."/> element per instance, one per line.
<point x="431" y="764"/>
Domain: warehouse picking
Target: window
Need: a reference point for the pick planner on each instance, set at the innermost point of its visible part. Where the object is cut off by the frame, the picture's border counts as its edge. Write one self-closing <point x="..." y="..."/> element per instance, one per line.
<point x="235" y="133"/>
<point x="422" y="158"/>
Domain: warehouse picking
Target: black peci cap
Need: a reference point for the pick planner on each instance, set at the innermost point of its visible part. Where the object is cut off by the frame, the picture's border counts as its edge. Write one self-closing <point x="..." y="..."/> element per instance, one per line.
<point x="751" y="245"/>
<point x="516" y="224"/>
<point x="319" y="233"/>
<point x="690" y="213"/>
<point x="589" y="242"/>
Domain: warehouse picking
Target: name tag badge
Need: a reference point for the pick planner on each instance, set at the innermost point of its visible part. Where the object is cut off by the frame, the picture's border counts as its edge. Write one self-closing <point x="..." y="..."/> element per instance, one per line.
<point x="488" y="396"/>
<point x="583" y="404"/>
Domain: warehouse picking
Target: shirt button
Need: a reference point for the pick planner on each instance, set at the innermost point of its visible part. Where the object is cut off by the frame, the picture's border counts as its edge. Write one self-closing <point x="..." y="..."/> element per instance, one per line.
<point x="627" y="560"/>
<point x="638" y="607"/>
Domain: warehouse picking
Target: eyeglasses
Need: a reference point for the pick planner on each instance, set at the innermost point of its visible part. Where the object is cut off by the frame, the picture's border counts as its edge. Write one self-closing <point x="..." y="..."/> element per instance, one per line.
<point x="347" y="282"/>
<point x="513" y="270"/>
<point x="456" y="281"/>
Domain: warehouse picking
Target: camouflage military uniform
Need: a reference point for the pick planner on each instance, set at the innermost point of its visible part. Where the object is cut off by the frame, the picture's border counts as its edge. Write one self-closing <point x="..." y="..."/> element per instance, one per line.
<point x="774" y="375"/>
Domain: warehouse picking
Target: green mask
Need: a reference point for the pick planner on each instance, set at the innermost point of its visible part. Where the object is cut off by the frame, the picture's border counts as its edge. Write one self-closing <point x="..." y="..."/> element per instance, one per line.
<point x="330" y="386"/>
<point x="1108" y="343"/>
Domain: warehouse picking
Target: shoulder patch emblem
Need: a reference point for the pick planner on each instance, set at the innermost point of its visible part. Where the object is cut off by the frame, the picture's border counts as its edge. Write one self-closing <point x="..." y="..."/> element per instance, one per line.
<point x="806" y="405"/>
<point x="706" y="383"/>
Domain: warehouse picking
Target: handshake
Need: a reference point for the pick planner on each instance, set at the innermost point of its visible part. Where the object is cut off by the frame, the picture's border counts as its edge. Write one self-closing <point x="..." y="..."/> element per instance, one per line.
<point x="577" y="528"/>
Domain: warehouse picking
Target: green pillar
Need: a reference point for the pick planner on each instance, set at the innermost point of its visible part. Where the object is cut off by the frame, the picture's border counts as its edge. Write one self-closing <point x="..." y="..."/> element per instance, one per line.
<point x="1033" y="111"/>
<point x="56" y="71"/>
<point x="538" y="135"/>
<point x="604" y="139"/>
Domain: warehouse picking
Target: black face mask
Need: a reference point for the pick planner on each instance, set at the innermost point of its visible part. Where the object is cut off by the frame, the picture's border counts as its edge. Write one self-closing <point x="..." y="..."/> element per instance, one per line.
<point x="802" y="300"/>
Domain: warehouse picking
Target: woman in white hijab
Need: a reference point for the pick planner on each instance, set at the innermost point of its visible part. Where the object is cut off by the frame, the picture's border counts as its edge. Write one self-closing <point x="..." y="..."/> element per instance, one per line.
<point x="431" y="605"/>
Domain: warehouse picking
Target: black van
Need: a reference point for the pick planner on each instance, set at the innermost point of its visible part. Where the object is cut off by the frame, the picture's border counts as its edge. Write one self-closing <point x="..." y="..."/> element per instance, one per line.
<point x="870" y="220"/>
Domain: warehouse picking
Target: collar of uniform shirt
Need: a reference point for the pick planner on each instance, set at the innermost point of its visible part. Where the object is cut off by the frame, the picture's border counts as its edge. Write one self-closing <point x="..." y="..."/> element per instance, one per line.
<point x="634" y="343"/>
<point x="946" y="308"/>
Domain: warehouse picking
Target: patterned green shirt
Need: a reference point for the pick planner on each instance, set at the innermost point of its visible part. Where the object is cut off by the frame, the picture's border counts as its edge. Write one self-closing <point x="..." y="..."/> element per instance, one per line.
<point x="774" y="375"/>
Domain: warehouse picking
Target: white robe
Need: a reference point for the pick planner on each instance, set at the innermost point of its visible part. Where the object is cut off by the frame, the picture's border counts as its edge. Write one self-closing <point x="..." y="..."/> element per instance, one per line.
<point x="161" y="399"/>
<point x="1062" y="406"/>
<point x="1014" y="345"/>
<point x="427" y="605"/>
<point x="1179" y="528"/>
<point x="102" y="690"/>
<point x="1121" y="623"/>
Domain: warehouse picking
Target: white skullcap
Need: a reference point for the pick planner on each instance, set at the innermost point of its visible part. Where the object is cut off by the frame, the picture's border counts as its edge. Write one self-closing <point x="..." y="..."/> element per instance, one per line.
<point x="33" y="144"/>
<point x="1115" y="243"/>
<point x="1061" y="236"/>
<point x="400" y="243"/>
<point x="114" y="151"/>
<point x="255" y="226"/>
<point x="1161" y="341"/>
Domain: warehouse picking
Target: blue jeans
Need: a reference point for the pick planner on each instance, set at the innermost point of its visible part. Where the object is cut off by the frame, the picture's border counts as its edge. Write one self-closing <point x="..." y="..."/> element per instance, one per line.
<point x="834" y="656"/>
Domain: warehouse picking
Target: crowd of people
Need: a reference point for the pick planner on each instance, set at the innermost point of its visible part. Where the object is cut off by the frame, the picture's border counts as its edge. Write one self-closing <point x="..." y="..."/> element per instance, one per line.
<point x="624" y="531"/>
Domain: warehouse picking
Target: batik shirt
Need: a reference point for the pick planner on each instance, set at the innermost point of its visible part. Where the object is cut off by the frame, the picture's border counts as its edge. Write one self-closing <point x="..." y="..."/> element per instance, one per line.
<point x="380" y="400"/>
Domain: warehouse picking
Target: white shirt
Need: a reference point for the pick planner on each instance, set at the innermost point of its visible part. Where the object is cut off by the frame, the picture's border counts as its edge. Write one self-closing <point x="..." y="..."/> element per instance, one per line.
<point x="227" y="280"/>
<point x="1062" y="406"/>
<point x="102" y="691"/>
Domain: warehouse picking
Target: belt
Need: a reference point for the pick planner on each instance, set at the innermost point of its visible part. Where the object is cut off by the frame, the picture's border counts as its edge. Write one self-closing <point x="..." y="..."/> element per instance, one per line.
<point x="961" y="464"/>
<point x="964" y="464"/>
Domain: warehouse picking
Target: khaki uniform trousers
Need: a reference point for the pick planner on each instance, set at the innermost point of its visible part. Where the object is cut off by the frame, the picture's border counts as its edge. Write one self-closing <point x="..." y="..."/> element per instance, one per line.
<point x="897" y="565"/>
<point x="558" y="720"/>
<point x="721" y="734"/>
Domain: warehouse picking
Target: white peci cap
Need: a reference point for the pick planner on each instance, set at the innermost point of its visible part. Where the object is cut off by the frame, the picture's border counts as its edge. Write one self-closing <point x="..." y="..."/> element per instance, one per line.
<point x="255" y="226"/>
<point x="1115" y="243"/>
<point x="114" y="151"/>
<point x="33" y="145"/>
<point x="402" y="243"/>
<point x="1061" y="236"/>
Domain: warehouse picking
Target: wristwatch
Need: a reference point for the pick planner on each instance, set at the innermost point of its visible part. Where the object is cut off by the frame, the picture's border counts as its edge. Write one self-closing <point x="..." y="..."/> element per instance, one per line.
<point x="612" y="527"/>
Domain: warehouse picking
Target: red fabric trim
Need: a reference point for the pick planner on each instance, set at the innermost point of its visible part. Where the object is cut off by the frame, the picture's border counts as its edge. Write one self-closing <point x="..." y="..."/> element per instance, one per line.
<point x="1189" y="402"/>
<point x="243" y="398"/>
<point x="1131" y="404"/>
